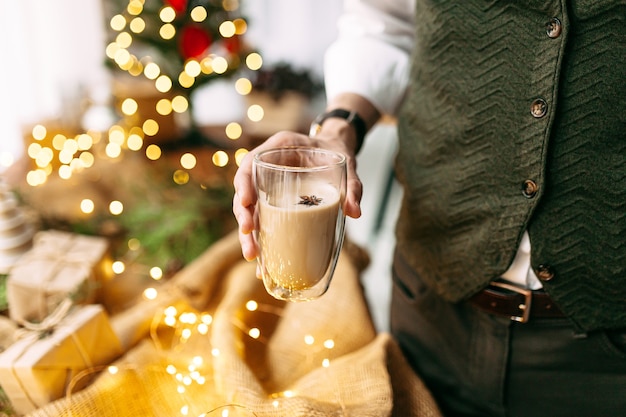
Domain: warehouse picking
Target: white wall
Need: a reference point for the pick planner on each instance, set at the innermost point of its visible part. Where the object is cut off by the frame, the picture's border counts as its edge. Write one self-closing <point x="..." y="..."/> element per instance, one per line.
<point x="297" y="31"/>
<point x="49" y="49"/>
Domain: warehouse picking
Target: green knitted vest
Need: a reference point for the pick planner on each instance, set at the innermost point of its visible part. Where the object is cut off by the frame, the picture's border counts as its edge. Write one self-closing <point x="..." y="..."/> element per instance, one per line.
<point x="470" y="142"/>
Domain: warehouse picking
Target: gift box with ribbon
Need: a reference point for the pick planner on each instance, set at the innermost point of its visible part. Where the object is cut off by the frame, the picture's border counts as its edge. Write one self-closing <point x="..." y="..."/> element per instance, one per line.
<point x="47" y="357"/>
<point x="60" y="265"/>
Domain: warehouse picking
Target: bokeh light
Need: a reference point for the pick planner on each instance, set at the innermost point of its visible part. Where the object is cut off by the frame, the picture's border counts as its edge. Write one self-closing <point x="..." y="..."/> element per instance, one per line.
<point x="87" y="206"/>
<point x="153" y="152"/>
<point x="254" y="61"/>
<point x="220" y="159"/>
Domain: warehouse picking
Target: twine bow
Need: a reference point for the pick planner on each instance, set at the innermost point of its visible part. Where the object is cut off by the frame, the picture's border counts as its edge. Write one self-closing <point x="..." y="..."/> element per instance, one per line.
<point x="48" y="324"/>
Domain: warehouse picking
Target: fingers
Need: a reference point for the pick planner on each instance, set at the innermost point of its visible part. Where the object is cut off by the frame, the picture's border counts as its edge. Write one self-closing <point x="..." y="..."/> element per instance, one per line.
<point x="245" y="197"/>
<point x="354" y="193"/>
<point x="244" y="189"/>
<point x="244" y="214"/>
<point x="244" y="217"/>
<point x="248" y="246"/>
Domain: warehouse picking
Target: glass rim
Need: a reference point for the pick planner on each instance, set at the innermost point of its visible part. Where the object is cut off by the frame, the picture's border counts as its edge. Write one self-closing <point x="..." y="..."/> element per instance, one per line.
<point x="340" y="158"/>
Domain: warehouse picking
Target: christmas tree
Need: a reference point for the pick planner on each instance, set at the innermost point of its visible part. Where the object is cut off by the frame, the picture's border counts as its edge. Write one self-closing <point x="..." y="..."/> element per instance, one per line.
<point x="180" y="44"/>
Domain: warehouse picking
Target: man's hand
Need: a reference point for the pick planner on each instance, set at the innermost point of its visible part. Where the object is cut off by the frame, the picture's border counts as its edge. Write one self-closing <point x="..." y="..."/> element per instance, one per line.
<point x="245" y="197"/>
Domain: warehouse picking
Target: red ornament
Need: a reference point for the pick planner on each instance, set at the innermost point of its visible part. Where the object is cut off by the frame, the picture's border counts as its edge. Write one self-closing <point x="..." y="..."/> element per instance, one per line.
<point x="233" y="44"/>
<point x="178" y="5"/>
<point x="194" y="42"/>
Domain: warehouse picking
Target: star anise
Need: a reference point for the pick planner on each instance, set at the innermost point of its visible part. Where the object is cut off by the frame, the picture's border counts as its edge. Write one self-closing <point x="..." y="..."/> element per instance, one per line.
<point x="310" y="200"/>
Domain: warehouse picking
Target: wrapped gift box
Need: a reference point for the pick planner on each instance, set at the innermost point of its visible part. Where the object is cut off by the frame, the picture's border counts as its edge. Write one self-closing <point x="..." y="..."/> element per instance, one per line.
<point x="40" y="366"/>
<point x="59" y="265"/>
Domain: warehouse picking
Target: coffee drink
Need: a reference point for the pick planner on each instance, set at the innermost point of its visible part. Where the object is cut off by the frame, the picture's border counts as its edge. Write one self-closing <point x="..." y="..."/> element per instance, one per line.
<point x="297" y="233"/>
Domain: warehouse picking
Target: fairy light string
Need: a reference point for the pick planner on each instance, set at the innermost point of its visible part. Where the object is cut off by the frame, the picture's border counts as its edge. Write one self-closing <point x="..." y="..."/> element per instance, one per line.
<point x="177" y="331"/>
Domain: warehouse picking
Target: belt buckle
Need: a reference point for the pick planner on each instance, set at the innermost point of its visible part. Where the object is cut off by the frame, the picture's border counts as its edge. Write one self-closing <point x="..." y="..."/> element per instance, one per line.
<point x="525" y="307"/>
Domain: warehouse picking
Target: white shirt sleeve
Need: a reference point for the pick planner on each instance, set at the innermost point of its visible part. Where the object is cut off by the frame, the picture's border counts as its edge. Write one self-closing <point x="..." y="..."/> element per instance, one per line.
<point x="371" y="55"/>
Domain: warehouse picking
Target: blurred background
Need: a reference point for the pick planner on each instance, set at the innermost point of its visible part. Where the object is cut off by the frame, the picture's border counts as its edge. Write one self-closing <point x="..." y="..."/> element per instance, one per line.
<point x="92" y="86"/>
<point x="53" y="51"/>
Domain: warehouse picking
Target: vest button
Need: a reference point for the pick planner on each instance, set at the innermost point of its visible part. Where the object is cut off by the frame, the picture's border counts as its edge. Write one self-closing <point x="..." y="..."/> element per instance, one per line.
<point x="538" y="108"/>
<point x="544" y="272"/>
<point x="554" y="28"/>
<point x="530" y="188"/>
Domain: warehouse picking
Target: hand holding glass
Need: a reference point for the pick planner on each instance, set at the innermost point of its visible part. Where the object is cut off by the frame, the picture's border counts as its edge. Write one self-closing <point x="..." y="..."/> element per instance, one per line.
<point x="299" y="219"/>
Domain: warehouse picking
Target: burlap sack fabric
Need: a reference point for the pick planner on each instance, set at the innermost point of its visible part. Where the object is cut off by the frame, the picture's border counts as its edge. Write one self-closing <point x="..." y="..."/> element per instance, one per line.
<point x="320" y="358"/>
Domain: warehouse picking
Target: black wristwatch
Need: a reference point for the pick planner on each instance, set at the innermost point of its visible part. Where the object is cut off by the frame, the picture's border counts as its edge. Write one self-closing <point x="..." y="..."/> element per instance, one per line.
<point x="351" y="117"/>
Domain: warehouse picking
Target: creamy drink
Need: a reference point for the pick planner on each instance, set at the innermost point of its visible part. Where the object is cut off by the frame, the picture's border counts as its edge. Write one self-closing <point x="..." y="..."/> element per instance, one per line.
<point x="298" y="235"/>
<point x="299" y="219"/>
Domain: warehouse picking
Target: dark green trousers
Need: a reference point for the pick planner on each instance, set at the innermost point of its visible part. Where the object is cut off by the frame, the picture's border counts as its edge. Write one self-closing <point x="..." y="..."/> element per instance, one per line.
<point x="480" y="365"/>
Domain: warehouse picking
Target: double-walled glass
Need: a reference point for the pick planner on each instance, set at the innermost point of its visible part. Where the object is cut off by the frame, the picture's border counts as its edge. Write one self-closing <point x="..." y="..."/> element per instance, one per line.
<point x="299" y="219"/>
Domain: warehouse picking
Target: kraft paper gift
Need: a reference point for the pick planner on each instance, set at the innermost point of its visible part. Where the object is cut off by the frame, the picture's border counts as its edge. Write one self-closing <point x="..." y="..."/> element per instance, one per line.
<point x="39" y="367"/>
<point x="61" y="264"/>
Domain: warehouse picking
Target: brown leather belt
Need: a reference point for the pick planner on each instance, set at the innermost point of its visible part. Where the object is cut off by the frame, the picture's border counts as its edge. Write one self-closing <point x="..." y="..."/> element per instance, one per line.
<point x="518" y="304"/>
